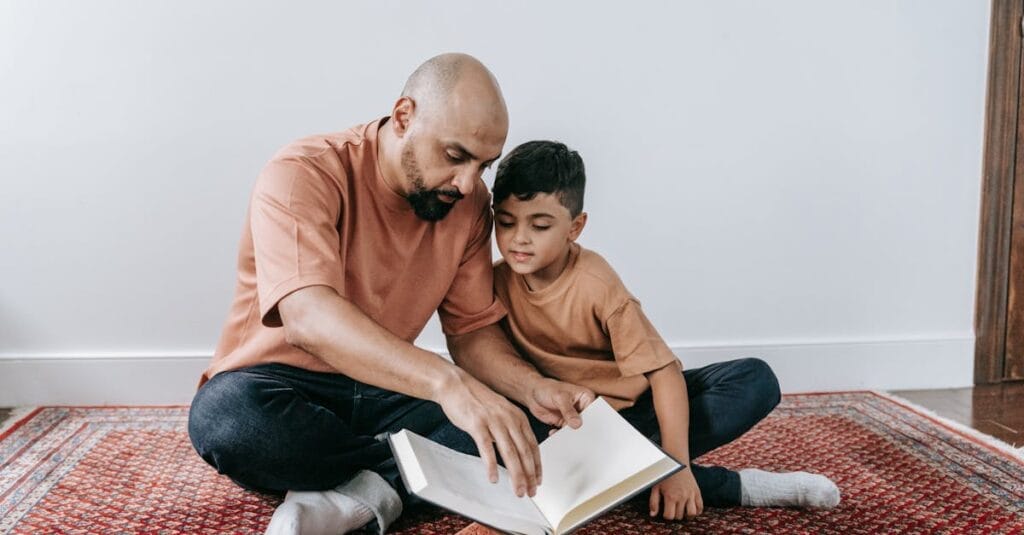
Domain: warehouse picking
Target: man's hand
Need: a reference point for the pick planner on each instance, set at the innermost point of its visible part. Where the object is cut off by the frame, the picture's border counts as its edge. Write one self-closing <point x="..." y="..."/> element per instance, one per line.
<point x="558" y="403"/>
<point x="493" y="421"/>
<point x="680" y="495"/>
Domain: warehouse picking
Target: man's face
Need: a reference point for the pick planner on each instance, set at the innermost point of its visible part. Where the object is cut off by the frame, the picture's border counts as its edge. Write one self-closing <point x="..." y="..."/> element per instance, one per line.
<point x="443" y="159"/>
<point x="430" y="204"/>
<point x="534" y="235"/>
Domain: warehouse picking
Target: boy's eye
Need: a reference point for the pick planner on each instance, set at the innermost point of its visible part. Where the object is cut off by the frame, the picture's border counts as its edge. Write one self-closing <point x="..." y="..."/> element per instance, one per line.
<point x="503" y="224"/>
<point x="540" y="227"/>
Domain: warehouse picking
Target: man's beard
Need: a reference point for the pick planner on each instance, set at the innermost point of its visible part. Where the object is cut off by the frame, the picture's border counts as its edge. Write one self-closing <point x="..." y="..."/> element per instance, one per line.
<point x="426" y="203"/>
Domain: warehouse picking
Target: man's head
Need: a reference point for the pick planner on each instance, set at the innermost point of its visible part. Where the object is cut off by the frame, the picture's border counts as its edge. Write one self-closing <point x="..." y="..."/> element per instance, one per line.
<point x="538" y="207"/>
<point x="447" y="127"/>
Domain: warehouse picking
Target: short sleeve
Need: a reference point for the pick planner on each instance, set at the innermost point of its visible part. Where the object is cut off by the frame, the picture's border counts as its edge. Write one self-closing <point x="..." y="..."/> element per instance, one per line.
<point x="293" y="216"/>
<point x="470" y="302"/>
<point x="637" y="346"/>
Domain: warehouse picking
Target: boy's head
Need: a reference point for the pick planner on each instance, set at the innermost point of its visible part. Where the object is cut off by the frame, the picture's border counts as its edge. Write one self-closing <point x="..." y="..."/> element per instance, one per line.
<point x="538" y="207"/>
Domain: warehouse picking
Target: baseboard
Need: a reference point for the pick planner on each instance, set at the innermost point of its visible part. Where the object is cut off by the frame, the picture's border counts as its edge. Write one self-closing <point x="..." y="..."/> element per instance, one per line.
<point x="99" y="380"/>
<point x="831" y="366"/>
<point x="117" y="379"/>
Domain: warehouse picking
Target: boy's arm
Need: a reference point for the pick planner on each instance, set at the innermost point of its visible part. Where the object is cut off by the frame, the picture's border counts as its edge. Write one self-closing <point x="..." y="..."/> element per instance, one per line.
<point x="672" y="407"/>
<point x="680" y="493"/>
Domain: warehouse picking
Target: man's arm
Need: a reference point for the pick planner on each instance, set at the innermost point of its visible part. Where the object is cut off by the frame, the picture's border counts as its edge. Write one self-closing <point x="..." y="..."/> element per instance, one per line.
<point x="487" y="354"/>
<point x="319" y="321"/>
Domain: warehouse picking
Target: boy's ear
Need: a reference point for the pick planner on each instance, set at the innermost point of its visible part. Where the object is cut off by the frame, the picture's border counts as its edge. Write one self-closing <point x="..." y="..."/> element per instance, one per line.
<point x="576" y="227"/>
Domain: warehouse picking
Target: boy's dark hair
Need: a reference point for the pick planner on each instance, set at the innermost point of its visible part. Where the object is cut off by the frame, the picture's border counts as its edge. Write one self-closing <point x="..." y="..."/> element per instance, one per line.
<point x="542" y="167"/>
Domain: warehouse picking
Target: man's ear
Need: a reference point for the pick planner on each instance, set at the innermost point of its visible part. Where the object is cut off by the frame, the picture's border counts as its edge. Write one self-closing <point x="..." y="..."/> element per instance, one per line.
<point x="576" y="227"/>
<point x="401" y="115"/>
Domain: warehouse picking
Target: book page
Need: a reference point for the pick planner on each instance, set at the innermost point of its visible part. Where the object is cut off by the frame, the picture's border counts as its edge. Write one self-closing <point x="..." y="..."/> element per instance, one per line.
<point x="459" y="482"/>
<point x="581" y="463"/>
<point x="617" y="494"/>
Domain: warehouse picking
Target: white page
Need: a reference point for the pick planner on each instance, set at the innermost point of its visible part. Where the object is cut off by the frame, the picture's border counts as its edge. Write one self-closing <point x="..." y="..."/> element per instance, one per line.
<point x="580" y="463"/>
<point x="459" y="482"/>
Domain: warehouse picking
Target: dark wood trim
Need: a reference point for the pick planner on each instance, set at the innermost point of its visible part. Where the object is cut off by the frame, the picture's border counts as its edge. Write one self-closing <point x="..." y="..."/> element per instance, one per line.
<point x="997" y="189"/>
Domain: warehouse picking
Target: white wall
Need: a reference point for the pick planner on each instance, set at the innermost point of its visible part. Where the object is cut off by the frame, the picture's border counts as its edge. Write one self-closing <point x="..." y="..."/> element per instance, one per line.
<point x="798" y="179"/>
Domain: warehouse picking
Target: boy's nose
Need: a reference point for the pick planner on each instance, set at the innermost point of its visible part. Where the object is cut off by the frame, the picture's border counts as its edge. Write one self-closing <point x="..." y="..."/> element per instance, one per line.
<point x="520" y="236"/>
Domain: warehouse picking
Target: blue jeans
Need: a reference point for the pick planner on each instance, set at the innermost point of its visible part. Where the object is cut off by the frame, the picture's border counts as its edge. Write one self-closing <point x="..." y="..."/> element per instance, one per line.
<point x="726" y="400"/>
<point x="273" y="428"/>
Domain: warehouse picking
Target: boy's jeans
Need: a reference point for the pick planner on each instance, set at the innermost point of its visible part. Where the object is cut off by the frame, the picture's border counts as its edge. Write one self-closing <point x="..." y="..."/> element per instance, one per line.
<point x="274" y="428"/>
<point x="726" y="400"/>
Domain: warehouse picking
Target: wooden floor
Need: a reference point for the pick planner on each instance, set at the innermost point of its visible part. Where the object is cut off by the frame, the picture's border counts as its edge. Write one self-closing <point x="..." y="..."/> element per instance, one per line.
<point x="996" y="410"/>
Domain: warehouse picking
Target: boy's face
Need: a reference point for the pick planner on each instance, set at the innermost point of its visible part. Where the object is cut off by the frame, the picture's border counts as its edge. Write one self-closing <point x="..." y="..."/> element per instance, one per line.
<point x="534" y="236"/>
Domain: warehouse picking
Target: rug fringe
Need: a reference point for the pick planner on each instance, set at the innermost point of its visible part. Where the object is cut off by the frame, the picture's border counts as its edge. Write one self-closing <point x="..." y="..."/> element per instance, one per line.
<point x="973" y="434"/>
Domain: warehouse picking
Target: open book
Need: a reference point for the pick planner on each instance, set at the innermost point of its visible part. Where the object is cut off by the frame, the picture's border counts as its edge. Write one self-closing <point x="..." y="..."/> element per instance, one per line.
<point x="587" y="471"/>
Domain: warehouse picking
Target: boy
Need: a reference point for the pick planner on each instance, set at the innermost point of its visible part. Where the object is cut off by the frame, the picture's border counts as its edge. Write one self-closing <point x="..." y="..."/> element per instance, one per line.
<point x="571" y="316"/>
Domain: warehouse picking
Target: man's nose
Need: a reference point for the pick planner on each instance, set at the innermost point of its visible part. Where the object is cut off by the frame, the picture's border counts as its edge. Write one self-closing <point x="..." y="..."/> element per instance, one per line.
<point x="465" y="182"/>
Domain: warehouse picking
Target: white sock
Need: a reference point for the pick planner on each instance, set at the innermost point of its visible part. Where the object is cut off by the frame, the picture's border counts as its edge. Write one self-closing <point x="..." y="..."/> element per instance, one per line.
<point x="789" y="489"/>
<point x="326" y="512"/>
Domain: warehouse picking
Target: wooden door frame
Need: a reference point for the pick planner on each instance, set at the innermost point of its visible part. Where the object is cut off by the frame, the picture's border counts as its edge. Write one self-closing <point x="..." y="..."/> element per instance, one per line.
<point x="1001" y="109"/>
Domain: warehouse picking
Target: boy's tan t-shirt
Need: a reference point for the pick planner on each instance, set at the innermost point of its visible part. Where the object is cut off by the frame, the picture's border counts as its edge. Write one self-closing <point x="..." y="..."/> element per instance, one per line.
<point x="584" y="328"/>
<point x="321" y="214"/>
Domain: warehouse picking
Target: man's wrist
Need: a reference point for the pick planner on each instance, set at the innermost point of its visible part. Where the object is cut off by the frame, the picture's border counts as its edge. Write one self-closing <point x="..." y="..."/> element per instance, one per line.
<point x="533" y="382"/>
<point x="447" y="378"/>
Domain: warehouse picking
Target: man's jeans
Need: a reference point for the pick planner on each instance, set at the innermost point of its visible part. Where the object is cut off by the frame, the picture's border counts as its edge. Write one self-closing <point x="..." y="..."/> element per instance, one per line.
<point x="274" y="428"/>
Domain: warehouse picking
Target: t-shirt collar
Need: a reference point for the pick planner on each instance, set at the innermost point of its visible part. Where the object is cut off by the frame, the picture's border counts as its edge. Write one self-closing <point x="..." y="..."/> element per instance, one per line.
<point x="557" y="286"/>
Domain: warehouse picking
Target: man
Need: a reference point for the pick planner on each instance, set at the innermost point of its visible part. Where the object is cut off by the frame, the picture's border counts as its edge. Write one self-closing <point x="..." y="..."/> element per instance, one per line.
<point x="353" y="240"/>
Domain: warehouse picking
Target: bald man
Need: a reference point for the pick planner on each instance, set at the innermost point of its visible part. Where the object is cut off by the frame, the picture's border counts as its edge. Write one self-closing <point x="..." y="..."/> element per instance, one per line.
<point x="353" y="240"/>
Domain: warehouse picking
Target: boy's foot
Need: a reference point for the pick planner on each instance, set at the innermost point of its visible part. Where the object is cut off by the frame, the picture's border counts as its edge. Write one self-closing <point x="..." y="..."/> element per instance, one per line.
<point x="337" y="510"/>
<point x="789" y="489"/>
<point x="318" y="512"/>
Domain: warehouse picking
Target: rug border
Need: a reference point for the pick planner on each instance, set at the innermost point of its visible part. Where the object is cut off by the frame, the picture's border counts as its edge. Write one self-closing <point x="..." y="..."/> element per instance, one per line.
<point x="20" y="415"/>
<point x="17" y="418"/>
<point x="984" y="440"/>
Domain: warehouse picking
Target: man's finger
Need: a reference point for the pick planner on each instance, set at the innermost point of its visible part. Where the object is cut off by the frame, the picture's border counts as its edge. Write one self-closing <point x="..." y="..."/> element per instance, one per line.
<point x="535" y="451"/>
<point x="655" y="501"/>
<point x="512" y="462"/>
<point x="485" y="446"/>
<point x="569" y="413"/>
<point x="583" y="399"/>
<point x="545" y="415"/>
<point x="526" y="446"/>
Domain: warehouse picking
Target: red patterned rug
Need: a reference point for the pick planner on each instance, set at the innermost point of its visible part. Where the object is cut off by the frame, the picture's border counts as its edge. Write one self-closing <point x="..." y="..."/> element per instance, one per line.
<point x="90" y="470"/>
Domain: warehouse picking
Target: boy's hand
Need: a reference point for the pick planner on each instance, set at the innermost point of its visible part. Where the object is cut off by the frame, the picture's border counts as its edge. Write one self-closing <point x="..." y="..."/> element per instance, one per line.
<point x="558" y="403"/>
<point x="680" y="496"/>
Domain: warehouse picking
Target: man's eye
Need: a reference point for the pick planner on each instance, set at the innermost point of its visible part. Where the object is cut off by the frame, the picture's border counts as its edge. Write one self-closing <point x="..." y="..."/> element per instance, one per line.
<point x="453" y="158"/>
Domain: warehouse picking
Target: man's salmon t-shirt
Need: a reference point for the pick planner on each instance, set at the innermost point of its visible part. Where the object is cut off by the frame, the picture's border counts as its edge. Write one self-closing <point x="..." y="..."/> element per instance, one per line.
<point x="584" y="328"/>
<point x="321" y="214"/>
